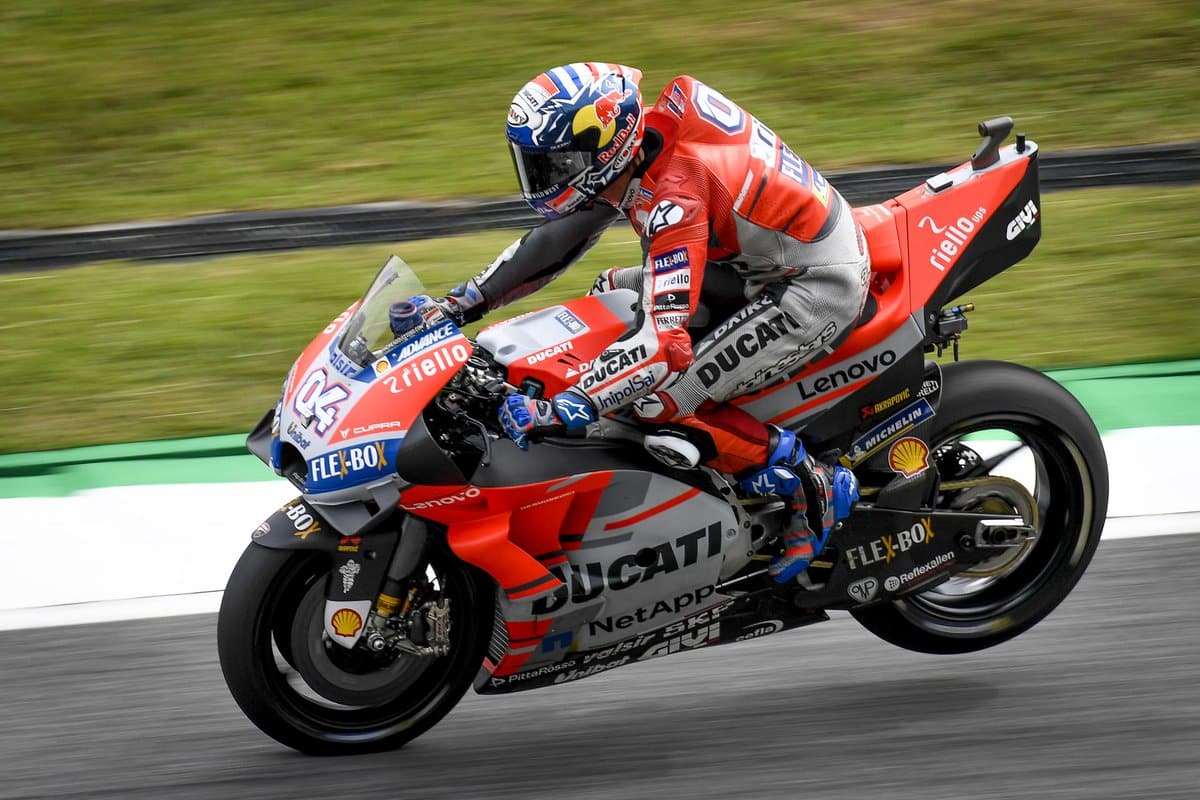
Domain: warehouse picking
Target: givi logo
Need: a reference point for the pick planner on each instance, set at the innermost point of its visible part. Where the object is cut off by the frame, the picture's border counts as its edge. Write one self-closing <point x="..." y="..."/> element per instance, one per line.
<point x="1022" y="221"/>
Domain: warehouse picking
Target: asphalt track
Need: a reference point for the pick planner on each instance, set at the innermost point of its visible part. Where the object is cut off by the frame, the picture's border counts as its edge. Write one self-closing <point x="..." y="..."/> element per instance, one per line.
<point x="1102" y="700"/>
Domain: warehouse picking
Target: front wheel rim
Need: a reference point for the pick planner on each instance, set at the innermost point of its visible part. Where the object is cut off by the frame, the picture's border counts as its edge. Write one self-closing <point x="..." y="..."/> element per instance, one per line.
<point x="303" y="707"/>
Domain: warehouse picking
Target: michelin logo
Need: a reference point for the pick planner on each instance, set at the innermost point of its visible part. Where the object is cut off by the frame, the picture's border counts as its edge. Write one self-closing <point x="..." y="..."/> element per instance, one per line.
<point x="901" y="421"/>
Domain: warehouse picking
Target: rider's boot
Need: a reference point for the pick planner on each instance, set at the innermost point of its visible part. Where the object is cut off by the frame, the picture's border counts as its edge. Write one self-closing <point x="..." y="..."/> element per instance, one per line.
<point x="829" y="490"/>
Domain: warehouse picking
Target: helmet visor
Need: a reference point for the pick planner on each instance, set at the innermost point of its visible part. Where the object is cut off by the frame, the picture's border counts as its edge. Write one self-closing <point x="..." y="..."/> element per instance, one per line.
<point x="540" y="173"/>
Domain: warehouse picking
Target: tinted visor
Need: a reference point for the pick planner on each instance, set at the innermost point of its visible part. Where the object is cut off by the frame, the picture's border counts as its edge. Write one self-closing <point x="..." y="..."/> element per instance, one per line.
<point x="541" y="172"/>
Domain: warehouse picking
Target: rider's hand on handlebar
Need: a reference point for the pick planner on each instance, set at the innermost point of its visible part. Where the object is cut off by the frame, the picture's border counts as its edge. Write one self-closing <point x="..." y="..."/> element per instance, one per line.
<point x="521" y="416"/>
<point x="463" y="304"/>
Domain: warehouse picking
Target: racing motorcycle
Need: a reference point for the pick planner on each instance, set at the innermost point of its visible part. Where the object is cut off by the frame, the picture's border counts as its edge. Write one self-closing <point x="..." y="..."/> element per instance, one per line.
<point x="427" y="554"/>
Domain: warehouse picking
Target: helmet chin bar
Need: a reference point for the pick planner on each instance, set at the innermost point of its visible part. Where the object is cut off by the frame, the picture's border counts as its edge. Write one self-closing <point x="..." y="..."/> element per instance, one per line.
<point x="635" y="182"/>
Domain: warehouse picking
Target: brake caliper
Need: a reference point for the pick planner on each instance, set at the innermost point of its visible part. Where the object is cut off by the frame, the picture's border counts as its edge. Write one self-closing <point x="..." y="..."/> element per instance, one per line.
<point x="428" y="624"/>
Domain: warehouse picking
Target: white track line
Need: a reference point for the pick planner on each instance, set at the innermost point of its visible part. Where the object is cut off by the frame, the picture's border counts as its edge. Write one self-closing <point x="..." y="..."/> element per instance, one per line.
<point x="137" y="552"/>
<point x="111" y="611"/>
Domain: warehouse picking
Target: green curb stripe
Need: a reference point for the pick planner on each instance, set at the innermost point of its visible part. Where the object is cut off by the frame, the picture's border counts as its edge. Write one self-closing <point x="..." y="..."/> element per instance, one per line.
<point x="1140" y="402"/>
<point x="58" y="473"/>
<point x="200" y="447"/>
<point x="67" y="479"/>
<point x="1125" y="396"/>
<point x="1167" y="369"/>
<point x="1137" y="395"/>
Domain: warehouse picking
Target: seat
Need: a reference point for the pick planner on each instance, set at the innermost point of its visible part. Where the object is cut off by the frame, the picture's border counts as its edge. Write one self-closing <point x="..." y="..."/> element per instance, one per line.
<point x="878" y="224"/>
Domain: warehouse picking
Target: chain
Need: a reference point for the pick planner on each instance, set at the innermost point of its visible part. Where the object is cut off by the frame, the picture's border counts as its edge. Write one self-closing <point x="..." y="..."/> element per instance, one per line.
<point x="953" y="486"/>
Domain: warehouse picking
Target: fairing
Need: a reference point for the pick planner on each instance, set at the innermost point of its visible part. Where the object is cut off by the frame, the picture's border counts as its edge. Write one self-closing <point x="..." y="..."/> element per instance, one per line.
<point x="582" y="562"/>
<point x="355" y="392"/>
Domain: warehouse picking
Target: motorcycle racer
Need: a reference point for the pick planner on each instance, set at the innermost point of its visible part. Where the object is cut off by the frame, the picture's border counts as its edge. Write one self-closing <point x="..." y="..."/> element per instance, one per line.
<point x="718" y="201"/>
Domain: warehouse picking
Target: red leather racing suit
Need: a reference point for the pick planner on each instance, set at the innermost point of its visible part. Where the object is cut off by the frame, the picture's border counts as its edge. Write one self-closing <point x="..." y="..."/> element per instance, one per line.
<point x="721" y="198"/>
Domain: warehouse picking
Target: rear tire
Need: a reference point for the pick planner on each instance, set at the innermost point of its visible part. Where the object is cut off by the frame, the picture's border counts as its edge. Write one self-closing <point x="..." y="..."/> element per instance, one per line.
<point x="270" y="633"/>
<point x="1070" y="489"/>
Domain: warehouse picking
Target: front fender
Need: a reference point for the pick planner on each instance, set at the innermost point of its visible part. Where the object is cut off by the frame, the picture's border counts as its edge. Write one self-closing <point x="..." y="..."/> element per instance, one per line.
<point x="298" y="525"/>
<point x="358" y="564"/>
<point x="301" y="525"/>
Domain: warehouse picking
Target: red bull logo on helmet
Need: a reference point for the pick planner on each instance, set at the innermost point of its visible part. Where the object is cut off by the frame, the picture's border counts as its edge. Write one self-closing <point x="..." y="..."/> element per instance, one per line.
<point x="608" y="107"/>
<point x="607" y="155"/>
<point x="601" y="114"/>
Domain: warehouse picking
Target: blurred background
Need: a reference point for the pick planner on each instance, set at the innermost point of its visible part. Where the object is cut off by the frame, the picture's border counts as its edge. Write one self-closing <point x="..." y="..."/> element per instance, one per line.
<point x="117" y="111"/>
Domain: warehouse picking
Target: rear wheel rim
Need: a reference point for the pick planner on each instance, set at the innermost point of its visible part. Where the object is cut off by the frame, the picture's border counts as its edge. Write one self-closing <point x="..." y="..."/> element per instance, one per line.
<point x="1059" y="483"/>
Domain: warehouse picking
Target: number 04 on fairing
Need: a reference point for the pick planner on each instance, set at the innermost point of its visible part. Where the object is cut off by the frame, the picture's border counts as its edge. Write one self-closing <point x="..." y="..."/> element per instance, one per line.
<point x="427" y="554"/>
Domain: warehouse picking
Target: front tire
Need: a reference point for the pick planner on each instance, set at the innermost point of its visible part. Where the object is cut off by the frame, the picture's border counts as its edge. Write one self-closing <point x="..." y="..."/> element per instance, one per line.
<point x="1054" y="448"/>
<point x="270" y="636"/>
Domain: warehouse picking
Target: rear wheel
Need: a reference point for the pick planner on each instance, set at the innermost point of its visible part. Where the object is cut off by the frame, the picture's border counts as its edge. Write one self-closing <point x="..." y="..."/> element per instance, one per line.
<point x="1012" y="442"/>
<point x="318" y="697"/>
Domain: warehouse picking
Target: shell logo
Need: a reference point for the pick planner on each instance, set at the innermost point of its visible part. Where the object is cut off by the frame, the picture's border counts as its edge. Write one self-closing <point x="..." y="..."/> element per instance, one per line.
<point x="346" y="622"/>
<point x="909" y="457"/>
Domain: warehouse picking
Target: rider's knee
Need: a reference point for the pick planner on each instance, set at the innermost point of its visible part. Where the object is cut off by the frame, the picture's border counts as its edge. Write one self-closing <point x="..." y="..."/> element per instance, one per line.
<point x="656" y="407"/>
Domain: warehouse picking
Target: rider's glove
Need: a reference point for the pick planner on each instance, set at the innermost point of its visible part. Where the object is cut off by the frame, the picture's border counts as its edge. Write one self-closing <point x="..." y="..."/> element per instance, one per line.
<point x="521" y="416"/>
<point x="463" y="304"/>
<point x="574" y="410"/>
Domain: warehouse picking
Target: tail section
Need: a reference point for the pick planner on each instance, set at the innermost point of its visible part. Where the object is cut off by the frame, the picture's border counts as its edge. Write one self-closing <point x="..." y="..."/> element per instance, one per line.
<point x="928" y="246"/>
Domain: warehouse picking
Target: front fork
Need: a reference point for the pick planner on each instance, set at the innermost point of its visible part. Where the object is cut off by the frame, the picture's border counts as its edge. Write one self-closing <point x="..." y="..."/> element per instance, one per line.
<point x="389" y="596"/>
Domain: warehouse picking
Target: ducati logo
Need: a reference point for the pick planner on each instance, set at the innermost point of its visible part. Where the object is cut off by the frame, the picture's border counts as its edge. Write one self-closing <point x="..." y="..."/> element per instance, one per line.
<point x="583" y="582"/>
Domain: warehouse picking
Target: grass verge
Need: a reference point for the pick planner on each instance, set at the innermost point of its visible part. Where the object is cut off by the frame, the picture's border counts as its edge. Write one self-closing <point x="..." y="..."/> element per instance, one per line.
<point x="134" y="351"/>
<point x="114" y="110"/>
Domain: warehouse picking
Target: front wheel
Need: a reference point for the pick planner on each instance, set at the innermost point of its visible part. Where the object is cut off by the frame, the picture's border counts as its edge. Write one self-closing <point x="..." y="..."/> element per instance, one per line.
<point x="1008" y="441"/>
<point x="320" y="698"/>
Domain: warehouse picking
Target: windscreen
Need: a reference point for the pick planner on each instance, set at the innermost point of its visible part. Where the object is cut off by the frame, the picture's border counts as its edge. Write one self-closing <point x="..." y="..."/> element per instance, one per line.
<point x="369" y="331"/>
